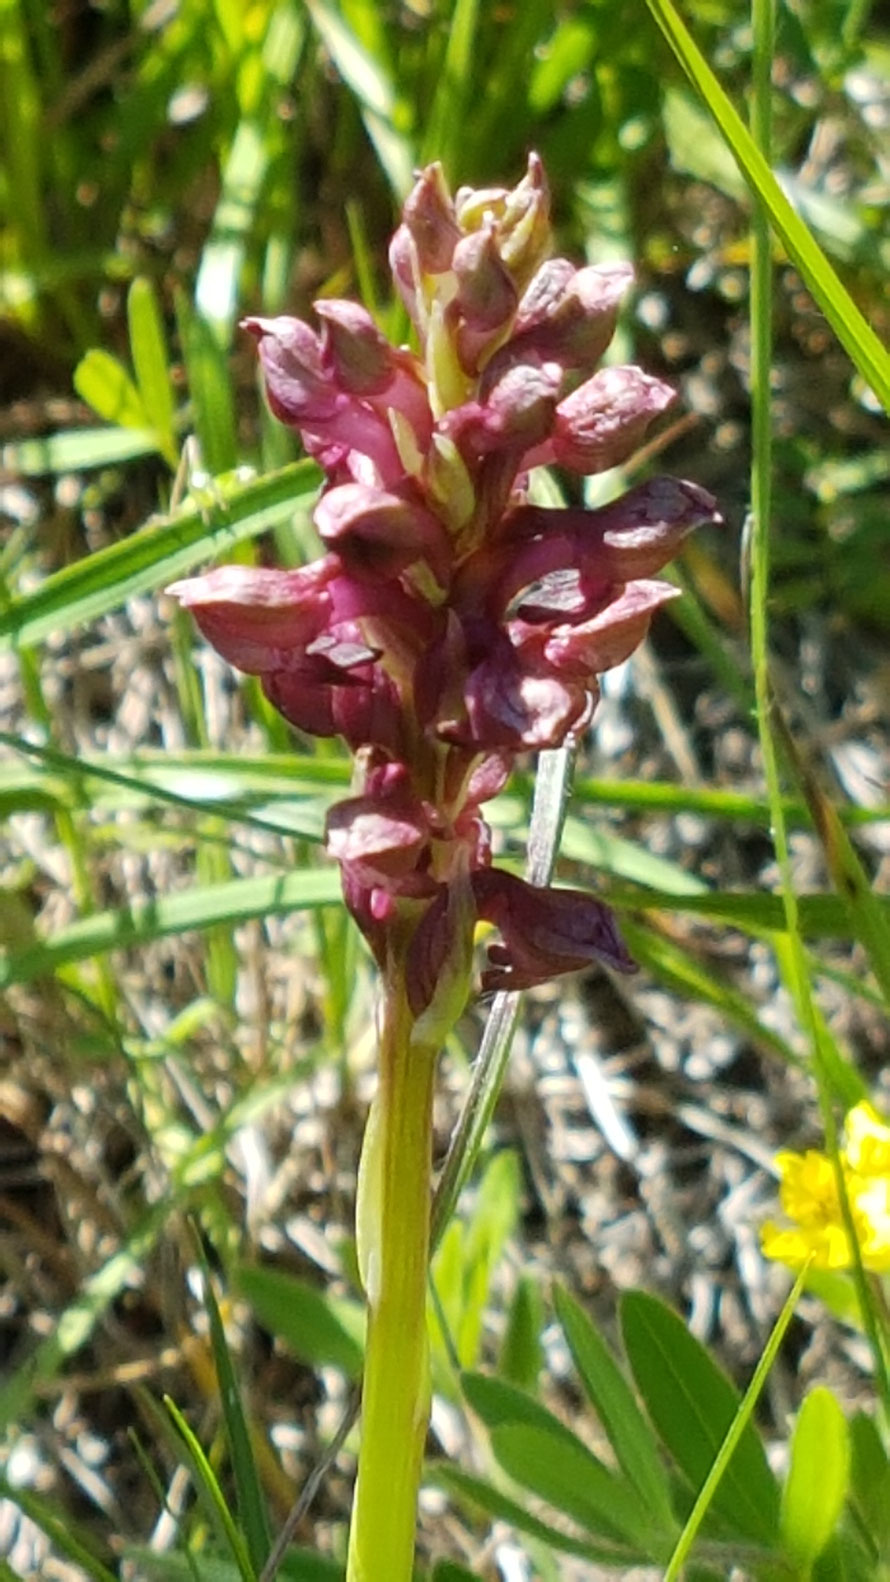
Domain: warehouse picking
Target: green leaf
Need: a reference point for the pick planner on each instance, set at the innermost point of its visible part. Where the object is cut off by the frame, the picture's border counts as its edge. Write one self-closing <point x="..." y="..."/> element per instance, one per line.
<point x="568" y="53"/>
<point x="210" y="388"/>
<point x="606" y="1387"/>
<point x="870" y="1482"/>
<point x="610" y="853"/>
<point x="219" y="273"/>
<point x="731" y="1441"/>
<point x="539" y="1451"/>
<point x="557" y="1468"/>
<point x="484" y="1496"/>
<point x="521" y="1353"/>
<point x="820" y="915"/>
<point x="818" y="1475"/>
<point x="103" y="383"/>
<point x="252" y="1513"/>
<point x="309" y="1322"/>
<point x="149" y="353"/>
<point x="165" y="549"/>
<point x="497" y="1402"/>
<point x="692" y="1404"/>
<point x="493" y="1221"/>
<point x="445" y="117"/>
<point x="367" y="74"/>
<point x="203" y="906"/>
<point x="287" y="792"/>
<point x="695" y="146"/>
<point x="658" y="796"/>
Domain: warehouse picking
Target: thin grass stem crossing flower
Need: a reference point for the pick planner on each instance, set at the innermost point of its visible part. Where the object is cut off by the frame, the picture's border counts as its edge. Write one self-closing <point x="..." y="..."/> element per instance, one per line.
<point x="450" y="625"/>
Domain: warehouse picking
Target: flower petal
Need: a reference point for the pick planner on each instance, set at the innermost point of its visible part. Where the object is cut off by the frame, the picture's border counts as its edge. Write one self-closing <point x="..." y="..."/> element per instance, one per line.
<point x="545" y="932"/>
<point x="610" y="637"/>
<point x="867" y="1141"/>
<point x="633" y="537"/>
<point x="259" y="618"/>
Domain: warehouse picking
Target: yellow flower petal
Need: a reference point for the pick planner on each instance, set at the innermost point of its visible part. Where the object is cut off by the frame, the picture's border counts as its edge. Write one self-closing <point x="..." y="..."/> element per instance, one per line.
<point x="867" y="1141"/>
<point x="828" y="1247"/>
<point x="808" y="1191"/>
<point x="870" y="1205"/>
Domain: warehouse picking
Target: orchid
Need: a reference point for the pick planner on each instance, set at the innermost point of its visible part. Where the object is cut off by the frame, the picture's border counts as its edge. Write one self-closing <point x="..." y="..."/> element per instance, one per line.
<point x="450" y="625"/>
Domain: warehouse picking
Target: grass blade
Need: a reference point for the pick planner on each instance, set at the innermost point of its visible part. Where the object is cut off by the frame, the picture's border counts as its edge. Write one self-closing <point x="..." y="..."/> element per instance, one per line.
<point x="740" y="1424"/>
<point x="551" y="795"/>
<point x="149" y="353"/>
<point x="212" y="1495"/>
<point x="76" y="450"/>
<point x="165" y="549"/>
<point x="203" y="906"/>
<point x="62" y="1533"/>
<point x="850" y="326"/>
<point x="78" y="1321"/>
<point x="252" y="1513"/>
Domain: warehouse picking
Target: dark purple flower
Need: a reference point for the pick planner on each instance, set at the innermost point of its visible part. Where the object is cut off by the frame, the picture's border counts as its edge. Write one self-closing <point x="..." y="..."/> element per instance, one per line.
<point x="544" y="932"/>
<point x="452" y="623"/>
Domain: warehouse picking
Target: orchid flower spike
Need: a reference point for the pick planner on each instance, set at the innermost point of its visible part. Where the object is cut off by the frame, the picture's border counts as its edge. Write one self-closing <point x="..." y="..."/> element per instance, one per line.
<point x="451" y="624"/>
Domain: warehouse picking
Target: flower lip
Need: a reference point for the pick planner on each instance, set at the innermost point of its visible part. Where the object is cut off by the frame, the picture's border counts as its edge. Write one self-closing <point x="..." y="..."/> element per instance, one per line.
<point x="610" y="636"/>
<point x="633" y="537"/>
<point x="258" y="617"/>
<point x="604" y="421"/>
<point x="545" y="932"/>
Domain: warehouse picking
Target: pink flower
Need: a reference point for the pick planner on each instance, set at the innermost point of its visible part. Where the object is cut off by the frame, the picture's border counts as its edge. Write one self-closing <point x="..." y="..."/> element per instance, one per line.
<point x="452" y="624"/>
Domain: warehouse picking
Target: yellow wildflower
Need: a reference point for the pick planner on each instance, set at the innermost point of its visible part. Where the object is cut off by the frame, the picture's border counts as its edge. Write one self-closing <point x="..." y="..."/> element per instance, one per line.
<point x="810" y="1200"/>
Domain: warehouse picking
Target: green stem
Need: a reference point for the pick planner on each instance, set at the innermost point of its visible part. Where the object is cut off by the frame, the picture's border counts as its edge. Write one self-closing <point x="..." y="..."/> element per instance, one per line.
<point x="393" y="1221"/>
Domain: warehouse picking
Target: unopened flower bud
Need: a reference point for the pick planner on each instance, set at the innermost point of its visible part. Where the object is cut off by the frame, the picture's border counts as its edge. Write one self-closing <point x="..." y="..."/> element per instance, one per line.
<point x="570" y="320"/>
<point x="525" y="227"/>
<point x="605" y="420"/>
<point x="428" y="214"/>
<point x="486" y="296"/>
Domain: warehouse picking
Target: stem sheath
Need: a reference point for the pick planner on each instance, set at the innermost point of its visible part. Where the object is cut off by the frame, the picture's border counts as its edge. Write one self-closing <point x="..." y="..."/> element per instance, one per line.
<point x="393" y="1237"/>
